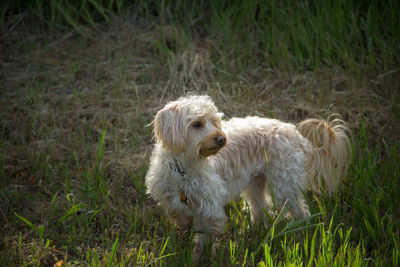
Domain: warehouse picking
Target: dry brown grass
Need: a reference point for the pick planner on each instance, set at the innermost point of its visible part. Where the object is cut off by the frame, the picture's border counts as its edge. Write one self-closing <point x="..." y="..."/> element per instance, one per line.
<point x="59" y="93"/>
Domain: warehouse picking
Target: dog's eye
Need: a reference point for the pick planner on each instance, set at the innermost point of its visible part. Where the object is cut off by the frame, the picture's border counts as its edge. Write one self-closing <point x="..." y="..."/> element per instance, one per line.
<point x="197" y="124"/>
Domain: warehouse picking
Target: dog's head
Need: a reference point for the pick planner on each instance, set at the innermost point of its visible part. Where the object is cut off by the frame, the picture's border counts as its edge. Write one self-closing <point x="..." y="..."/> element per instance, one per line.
<point x="190" y="124"/>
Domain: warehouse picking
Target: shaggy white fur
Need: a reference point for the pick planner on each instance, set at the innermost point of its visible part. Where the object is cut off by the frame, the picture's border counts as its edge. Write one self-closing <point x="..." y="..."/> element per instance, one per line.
<point x="200" y="163"/>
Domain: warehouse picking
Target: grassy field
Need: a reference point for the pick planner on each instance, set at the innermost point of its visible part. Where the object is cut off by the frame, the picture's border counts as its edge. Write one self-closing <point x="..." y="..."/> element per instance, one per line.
<point x="81" y="80"/>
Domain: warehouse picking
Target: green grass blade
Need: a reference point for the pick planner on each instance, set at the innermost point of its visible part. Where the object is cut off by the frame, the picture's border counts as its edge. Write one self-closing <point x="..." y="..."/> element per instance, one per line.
<point x="101" y="9"/>
<point x="72" y="210"/>
<point x="34" y="228"/>
<point x="113" y="250"/>
<point x="100" y="150"/>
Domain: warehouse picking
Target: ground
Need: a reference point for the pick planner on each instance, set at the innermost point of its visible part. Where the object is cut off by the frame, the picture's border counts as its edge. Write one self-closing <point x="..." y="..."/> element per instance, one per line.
<point x="76" y="138"/>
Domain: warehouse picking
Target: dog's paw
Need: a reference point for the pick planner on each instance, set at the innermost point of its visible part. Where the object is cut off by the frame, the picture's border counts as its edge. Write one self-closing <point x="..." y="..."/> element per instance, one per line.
<point x="197" y="254"/>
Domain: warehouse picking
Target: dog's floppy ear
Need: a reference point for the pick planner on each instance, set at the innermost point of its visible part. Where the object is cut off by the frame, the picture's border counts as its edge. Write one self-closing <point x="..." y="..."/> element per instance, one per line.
<point x="168" y="128"/>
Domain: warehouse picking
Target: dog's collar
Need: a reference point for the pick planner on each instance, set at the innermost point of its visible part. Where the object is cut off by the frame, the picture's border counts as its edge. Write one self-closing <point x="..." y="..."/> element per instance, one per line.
<point x="177" y="167"/>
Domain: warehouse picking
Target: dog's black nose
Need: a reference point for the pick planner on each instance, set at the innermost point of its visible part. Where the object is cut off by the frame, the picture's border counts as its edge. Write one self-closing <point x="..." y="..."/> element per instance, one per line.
<point x="220" y="140"/>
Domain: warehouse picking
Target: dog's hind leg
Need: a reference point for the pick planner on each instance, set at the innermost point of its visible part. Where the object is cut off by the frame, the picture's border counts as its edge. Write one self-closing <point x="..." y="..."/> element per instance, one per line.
<point x="255" y="195"/>
<point x="298" y="207"/>
<point x="286" y="191"/>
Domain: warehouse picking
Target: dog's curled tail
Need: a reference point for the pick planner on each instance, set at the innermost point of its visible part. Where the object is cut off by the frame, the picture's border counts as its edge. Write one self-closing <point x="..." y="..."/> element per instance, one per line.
<point x="330" y="156"/>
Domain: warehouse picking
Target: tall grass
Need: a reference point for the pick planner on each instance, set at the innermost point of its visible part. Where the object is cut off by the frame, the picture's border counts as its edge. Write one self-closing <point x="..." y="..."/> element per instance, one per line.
<point x="299" y="35"/>
<point x="358" y="228"/>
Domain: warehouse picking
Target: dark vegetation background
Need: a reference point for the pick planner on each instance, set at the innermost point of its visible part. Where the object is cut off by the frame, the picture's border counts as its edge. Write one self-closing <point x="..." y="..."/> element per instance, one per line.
<point x="81" y="80"/>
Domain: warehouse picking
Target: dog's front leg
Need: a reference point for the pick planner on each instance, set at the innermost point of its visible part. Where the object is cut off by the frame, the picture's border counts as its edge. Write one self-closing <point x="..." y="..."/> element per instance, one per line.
<point x="205" y="229"/>
<point x="202" y="237"/>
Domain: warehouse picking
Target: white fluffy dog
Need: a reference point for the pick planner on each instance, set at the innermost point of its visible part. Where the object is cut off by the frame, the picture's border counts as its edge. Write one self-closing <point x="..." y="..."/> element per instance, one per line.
<point x="200" y="163"/>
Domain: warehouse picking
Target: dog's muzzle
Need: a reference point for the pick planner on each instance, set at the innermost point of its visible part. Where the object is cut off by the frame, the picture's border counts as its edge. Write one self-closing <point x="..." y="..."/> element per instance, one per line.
<point x="212" y="144"/>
